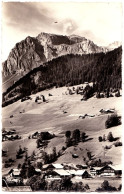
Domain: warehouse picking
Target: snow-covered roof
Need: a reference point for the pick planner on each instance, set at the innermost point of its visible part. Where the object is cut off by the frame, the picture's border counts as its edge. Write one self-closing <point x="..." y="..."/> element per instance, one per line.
<point x="116" y="167"/>
<point x="62" y="172"/>
<point x="96" y="168"/>
<point x="37" y="170"/>
<point x="9" y="136"/>
<point x="71" y="171"/>
<point x="45" y="166"/>
<point x="58" y="166"/>
<point x="76" y="172"/>
<point x="16" y="172"/>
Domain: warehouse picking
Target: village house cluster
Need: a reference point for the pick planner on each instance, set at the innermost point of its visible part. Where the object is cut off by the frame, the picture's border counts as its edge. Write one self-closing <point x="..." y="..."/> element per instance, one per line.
<point x="62" y="170"/>
<point x="10" y="135"/>
<point x="58" y="171"/>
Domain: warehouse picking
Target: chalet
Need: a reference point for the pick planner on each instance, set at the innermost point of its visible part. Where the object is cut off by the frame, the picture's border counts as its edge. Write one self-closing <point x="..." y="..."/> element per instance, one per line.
<point x="81" y="167"/>
<point x="107" y="170"/>
<point x="82" y="116"/>
<point x="86" y="174"/>
<point x="10" y="181"/>
<point x="25" y="98"/>
<point x="61" y="173"/>
<point x="38" y="99"/>
<point x="74" y="155"/>
<point x="95" y="171"/>
<point x="107" y="111"/>
<point x="52" y="166"/>
<point x="52" y="176"/>
<point x="79" y="174"/>
<point x="69" y="166"/>
<point x="37" y="171"/>
<point x="118" y="170"/>
<point x="4" y="137"/>
<point x="57" y="166"/>
<point x="84" y="166"/>
<point x="35" y="135"/>
<point x="12" y="137"/>
<point x="15" y="173"/>
<point x="71" y="172"/>
<point x="8" y="137"/>
<point x="11" y="132"/>
<point x="57" y="174"/>
<point x="4" y="132"/>
<point x="90" y="115"/>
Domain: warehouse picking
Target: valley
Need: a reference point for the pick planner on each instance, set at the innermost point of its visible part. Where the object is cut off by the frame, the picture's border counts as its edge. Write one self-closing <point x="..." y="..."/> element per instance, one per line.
<point x="57" y="115"/>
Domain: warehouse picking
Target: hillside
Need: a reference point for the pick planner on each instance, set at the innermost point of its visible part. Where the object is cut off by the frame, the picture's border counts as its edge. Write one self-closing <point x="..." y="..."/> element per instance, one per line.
<point x="102" y="68"/>
<point x="50" y="117"/>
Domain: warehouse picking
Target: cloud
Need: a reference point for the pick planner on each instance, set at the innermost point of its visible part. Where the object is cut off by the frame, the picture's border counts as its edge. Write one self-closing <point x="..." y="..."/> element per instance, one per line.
<point x="99" y="22"/>
<point x="26" y="16"/>
<point x="65" y="27"/>
<point x="69" y="27"/>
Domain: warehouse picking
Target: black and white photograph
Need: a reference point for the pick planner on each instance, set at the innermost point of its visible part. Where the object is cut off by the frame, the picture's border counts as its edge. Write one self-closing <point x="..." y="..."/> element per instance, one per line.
<point x="61" y="108"/>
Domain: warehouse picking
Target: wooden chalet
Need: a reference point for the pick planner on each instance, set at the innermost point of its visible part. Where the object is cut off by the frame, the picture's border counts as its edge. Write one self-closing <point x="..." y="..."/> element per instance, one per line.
<point x="61" y="173"/>
<point x="35" y="135"/>
<point x="107" y="170"/>
<point x="118" y="170"/>
<point x="37" y="171"/>
<point x="79" y="174"/>
<point x="52" y="166"/>
<point x="15" y="173"/>
<point x="95" y="171"/>
<point x="57" y="174"/>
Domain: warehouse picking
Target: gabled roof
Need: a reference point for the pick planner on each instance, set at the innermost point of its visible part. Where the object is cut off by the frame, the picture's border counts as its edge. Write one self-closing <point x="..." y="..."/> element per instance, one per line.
<point x="80" y="172"/>
<point x="37" y="170"/>
<point x="96" y="168"/>
<point x="62" y="172"/>
<point x="16" y="172"/>
<point x="72" y="172"/>
<point x="76" y="172"/>
<point x="108" y="166"/>
<point x="45" y="166"/>
<point x="116" y="167"/>
<point x="8" y="136"/>
<point x="58" y="166"/>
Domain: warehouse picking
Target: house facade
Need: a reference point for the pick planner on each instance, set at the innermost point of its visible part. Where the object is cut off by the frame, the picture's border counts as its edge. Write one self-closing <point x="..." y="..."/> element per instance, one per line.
<point x="94" y="171"/>
<point x="107" y="170"/>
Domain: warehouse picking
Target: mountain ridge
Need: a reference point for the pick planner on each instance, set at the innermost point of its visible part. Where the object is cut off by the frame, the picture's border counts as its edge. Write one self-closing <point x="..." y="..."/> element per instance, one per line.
<point x="34" y="51"/>
<point x="69" y="70"/>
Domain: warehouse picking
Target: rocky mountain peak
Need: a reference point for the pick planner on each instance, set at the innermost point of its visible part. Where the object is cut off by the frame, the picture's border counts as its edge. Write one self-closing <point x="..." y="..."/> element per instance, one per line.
<point x="34" y="51"/>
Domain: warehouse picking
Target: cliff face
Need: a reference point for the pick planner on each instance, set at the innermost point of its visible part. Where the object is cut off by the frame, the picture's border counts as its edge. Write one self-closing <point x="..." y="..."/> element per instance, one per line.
<point x="33" y="52"/>
<point x="25" y="56"/>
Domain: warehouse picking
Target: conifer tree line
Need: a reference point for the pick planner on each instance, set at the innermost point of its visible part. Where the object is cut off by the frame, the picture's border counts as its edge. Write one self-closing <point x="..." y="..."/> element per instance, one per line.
<point x="101" y="68"/>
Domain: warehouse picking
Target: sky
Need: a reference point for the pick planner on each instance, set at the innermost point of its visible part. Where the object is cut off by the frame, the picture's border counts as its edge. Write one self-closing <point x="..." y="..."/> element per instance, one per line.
<point x="99" y="22"/>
